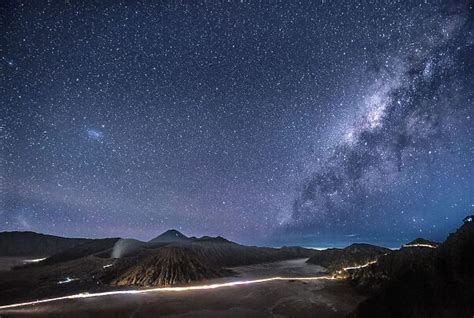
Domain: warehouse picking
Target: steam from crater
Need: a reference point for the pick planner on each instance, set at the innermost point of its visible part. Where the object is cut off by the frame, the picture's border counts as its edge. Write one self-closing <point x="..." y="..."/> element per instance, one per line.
<point x="123" y="247"/>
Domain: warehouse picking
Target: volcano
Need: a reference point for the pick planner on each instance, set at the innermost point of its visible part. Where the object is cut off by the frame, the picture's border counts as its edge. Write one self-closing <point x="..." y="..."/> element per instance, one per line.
<point x="170" y="236"/>
<point x="168" y="266"/>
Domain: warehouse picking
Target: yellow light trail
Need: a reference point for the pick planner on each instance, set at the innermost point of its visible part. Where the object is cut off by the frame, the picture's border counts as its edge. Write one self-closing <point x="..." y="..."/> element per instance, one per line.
<point x="359" y="266"/>
<point x="164" y="289"/>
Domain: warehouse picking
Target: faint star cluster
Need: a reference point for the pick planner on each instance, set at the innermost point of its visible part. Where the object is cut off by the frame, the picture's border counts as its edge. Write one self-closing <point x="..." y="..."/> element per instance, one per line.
<point x="263" y="122"/>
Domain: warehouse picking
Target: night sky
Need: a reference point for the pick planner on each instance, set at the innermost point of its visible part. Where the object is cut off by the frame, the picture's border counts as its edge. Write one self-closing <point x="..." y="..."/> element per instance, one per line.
<point x="266" y="122"/>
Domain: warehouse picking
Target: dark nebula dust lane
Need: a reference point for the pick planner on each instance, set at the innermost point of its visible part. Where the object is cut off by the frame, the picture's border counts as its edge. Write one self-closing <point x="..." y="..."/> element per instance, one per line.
<point x="404" y="150"/>
<point x="265" y="123"/>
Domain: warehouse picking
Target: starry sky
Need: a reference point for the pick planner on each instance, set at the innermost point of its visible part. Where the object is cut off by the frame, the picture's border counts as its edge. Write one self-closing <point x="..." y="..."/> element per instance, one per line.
<point x="267" y="122"/>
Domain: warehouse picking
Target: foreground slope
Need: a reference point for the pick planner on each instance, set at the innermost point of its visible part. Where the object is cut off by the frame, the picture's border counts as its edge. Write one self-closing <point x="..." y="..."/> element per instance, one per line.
<point x="421" y="281"/>
<point x="356" y="254"/>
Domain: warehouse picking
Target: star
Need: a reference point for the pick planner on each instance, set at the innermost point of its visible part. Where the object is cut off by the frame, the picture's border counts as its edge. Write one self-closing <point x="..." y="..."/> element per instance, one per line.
<point x="262" y="123"/>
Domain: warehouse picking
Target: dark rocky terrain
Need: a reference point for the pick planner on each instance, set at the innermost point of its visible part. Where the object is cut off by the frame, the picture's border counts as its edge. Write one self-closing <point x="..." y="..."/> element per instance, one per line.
<point x="356" y="254"/>
<point x="104" y="264"/>
<point x="35" y="244"/>
<point x="421" y="281"/>
<point x="283" y="298"/>
<point x="191" y="259"/>
<point x="221" y="252"/>
<point x="167" y="266"/>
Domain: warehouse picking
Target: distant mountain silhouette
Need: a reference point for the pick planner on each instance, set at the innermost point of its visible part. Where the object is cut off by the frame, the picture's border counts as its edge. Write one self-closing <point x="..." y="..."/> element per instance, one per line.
<point x="35" y="244"/>
<point x="421" y="241"/>
<point x="83" y="250"/>
<point x="170" y="236"/>
<point x="217" y="239"/>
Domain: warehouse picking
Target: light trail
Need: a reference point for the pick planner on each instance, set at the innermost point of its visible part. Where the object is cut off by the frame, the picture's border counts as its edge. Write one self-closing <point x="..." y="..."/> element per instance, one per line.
<point x="420" y="245"/>
<point x="67" y="280"/>
<point x="37" y="260"/>
<point x="164" y="289"/>
<point x="358" y="266"/>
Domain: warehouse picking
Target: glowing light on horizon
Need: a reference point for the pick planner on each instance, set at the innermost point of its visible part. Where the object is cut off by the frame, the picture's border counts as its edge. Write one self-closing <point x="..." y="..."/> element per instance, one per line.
<point x="317" y="248"/>
<point x="164" y="289"/>
<point x="420" y="245"/>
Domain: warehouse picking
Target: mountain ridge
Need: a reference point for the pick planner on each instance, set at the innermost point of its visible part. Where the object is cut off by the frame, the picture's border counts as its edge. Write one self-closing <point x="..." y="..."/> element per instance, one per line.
<point x="355" y="254"/>
<point x="29" y="243"/>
